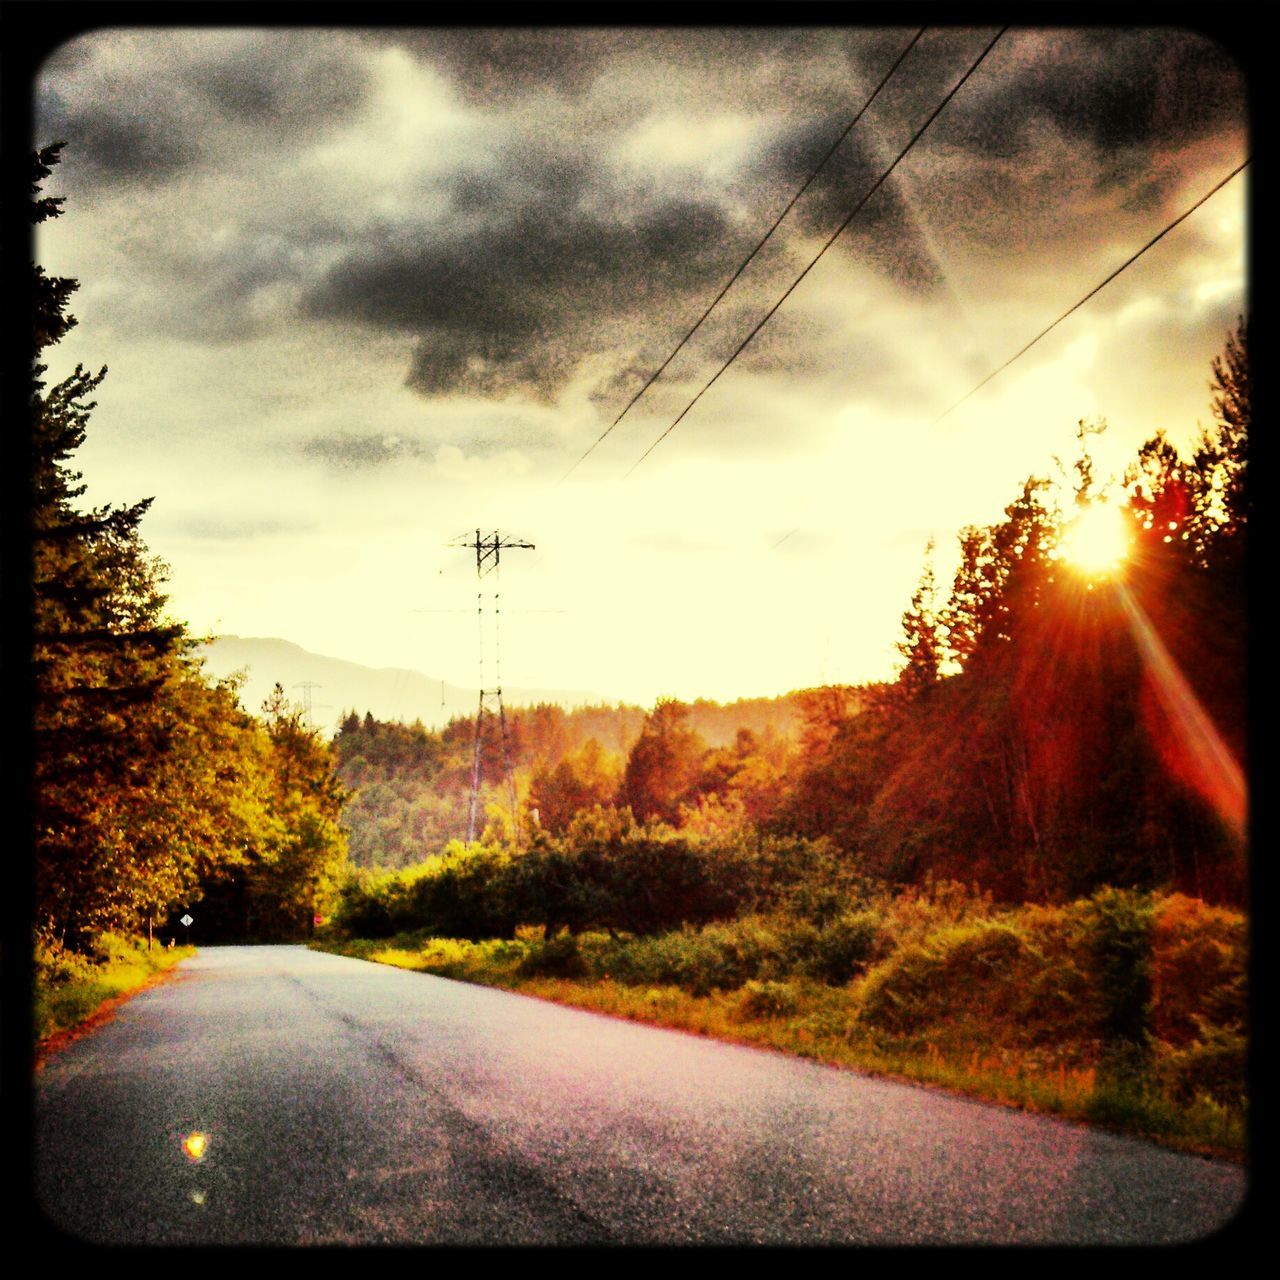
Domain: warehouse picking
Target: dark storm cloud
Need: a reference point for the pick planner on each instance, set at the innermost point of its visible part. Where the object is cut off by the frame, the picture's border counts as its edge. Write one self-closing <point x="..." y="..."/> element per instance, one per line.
<point x="288" y="87"/>
<point x="883" y="235"/>
<point x="545" y="258"/>
<point x="489" y="65"/>
<point x="524" y="295"/>
<point x="149" y="105"/>
<point x="1116" y="102"/>
<point x="1117" y="90"/>
<point x="115" y="141"/>
<point x="354" y="452"/>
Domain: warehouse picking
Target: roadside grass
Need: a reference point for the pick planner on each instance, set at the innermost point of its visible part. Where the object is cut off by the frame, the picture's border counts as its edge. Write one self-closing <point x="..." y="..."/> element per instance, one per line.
<point x="72" y="990"/>
<point x="1003" y="1005"/>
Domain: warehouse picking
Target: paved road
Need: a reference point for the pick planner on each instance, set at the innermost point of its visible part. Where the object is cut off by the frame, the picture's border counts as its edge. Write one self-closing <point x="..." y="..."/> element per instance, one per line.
<point x="352" y="1103"/>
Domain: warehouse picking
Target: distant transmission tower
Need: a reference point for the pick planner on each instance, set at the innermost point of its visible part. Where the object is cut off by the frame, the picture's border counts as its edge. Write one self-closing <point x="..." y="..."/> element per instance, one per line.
<point x="489" y="549"/>
<point x="306" y="686"/>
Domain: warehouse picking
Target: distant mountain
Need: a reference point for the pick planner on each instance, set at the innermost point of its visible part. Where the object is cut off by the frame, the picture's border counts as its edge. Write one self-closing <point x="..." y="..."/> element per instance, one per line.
<point x="338" y="686"/>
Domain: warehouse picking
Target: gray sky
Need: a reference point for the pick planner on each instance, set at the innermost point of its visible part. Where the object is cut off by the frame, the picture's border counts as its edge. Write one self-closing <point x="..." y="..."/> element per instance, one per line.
<point x="362" y="291"/>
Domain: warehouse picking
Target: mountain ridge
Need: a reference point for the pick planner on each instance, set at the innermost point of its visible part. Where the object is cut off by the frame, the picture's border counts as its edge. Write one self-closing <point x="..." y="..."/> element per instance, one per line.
<point x="389" y="693"/>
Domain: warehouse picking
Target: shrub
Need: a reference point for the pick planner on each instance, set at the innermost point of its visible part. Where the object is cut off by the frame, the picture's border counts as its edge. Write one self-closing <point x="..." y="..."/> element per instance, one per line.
<point x="717" y="957"/>
<point x="1198" y="968"/>
<point x="558" y="957"/>
<point x="55" y="965"/>
<point x="979" y="969"/>
<point x="112" y="948"/>
<point x="1120" y="941"/>
<point x="918" y="911"/>
<point x="842" y="949"/>
<point x="1212" y="1066"/>
<point x="362" y="907"/>
<point x="767" y="1000"/>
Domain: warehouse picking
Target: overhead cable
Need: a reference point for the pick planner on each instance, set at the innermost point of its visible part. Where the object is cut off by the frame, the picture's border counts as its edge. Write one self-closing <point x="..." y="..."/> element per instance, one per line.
<point x="751" y="256"/>
<point x="834" y="236"/>
<point x="1128" y="262"/>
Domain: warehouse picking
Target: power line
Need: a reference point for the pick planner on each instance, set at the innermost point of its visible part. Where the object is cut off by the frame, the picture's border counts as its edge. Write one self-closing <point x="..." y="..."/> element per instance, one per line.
<point x="1128" y="262"/>
<point x="834" y="236"/>
<point x="1075" y="307"/>
<point x="751" y="256"/>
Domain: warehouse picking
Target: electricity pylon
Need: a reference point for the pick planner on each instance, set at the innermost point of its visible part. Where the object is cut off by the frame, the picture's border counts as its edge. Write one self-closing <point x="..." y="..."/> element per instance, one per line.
<point x="488" y="549"/>
<point x="306" y="686"/>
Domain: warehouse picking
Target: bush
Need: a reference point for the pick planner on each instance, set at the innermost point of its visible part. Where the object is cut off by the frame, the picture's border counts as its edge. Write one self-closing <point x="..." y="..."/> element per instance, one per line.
<point x="70" y="988"/>
<point x="1120" y="941"/>
<point x="1198" y="969"/>
<point x="767" y="1000"/>
<point x="978" y="969"/>
<point x="913" y="914"/>
<point x="1213" y="1066"/>
<point x="113" y="948"/>
<point x="558" y="957"/>
<point x="718" y="957"/>
<point x="842" y="949"/>
<point x="55" y="965"/>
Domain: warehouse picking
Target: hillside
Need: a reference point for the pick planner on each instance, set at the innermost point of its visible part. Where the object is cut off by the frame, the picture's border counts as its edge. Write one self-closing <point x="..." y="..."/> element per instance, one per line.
<point x="390" y="693"/>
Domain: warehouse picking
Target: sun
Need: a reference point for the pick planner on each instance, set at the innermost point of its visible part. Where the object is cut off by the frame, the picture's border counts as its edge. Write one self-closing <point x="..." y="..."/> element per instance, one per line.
<point x="1098" y="541"/>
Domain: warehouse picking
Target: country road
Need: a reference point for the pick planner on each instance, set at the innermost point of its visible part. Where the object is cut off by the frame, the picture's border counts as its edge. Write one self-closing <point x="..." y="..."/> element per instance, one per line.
<point x="350" y="1103"/>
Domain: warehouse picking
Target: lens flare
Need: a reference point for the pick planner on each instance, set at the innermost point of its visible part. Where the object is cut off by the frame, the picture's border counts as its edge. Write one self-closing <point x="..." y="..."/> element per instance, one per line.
<point x="1219" y="778"/>
<point x="195" y="1145"/>
<point x="1098" y="541"/>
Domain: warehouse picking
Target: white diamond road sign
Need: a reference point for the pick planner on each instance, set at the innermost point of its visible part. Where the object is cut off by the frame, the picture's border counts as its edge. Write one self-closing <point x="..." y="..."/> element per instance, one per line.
<point x="187" y="921"/>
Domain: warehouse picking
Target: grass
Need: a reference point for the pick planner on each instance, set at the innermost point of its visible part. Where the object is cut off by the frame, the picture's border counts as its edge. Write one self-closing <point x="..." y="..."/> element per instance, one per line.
<point x="74" y="992"/>
<point x="993" y="1006"/>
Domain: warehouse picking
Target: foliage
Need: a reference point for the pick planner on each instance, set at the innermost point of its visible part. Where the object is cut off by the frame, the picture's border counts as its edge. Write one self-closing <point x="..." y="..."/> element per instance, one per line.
<point x="583" y="779"/>
<point x="665" y="765"/>
<point x="1048" y="763"/>
<point x="71" y="987"/>
<point x="921" y="646"/>
<point x="767" y="1000"/>
<point x="1121" y="943"/>
<point x="1010" y="1003"/>
<point x="1199" y="959"/>
<point x="558" y="957"/>
<point x="150" y="785"/>
<point x="409" y="787"/>
<point x="115" y="780"/>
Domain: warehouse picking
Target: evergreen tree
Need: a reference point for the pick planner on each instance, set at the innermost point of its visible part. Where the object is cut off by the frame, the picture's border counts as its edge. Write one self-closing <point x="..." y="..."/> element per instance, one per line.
<point x="150" y="785"/>
<point x="102" y="651"/>
<point x="663" y="768"/>
<point x="920" y="646"/>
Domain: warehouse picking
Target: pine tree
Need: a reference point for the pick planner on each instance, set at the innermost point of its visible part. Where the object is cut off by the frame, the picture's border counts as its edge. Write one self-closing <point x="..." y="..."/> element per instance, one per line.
<point x="920" y="645"/>
<point x="102" y="655"/>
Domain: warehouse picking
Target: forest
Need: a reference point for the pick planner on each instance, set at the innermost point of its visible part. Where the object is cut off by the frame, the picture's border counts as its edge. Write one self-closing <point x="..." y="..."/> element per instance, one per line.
<point x="1052" y="729"/>
<point x="152" y="790"/>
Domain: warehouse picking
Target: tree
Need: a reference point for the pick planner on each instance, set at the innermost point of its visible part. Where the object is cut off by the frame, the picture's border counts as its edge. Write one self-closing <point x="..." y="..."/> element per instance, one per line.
<point x="150" y="785"/>
<point x="102" y="654"/>
<point x="665" y="764"/>
<point x="306" y="798"/>
<point x="920" y="646"/>
<point x="1223" y="453"/>
<point x="582" y="780"/>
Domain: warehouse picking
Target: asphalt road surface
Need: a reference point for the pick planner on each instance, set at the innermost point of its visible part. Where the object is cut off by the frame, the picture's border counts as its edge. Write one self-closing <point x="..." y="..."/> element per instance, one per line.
<point x="351" y="1103"/>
